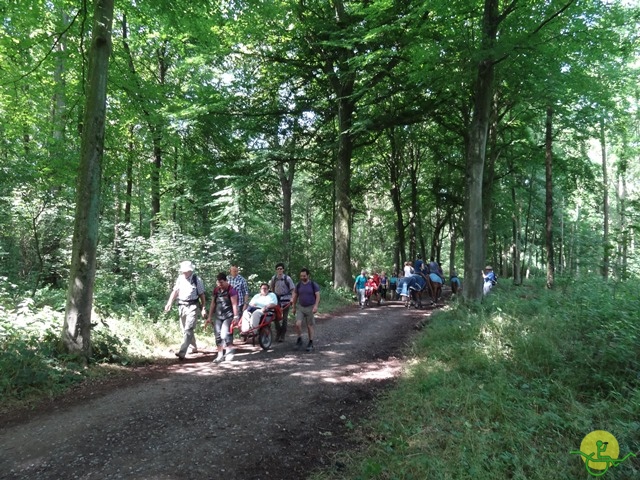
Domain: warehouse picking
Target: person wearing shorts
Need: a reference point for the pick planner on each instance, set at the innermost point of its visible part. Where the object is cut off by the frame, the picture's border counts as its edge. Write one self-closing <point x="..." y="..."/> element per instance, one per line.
<point x="305" y="301"/>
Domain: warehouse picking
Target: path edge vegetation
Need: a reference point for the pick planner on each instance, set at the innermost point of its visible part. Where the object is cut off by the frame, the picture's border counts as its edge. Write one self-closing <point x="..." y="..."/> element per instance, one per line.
<point x="507" y="388"/>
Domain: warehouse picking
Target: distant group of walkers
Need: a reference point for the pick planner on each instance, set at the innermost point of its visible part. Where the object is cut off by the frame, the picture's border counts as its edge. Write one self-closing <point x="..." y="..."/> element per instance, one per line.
<point x="230" y="301"/>
<point x="379" y="287"/>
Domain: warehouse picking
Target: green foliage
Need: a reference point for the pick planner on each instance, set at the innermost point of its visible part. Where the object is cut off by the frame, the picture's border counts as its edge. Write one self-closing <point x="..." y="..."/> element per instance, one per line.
<point x="30" y="362"/>
<point x="32" y="365"/>
<point x="507" y="388"/>
<point x="334" y="299"/>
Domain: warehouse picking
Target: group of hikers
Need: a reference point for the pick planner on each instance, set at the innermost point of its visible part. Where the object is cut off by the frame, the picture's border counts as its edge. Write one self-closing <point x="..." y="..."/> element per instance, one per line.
<point x="411" y="281"/>
<point x="413" y="276"/>
<point x="231" y="307"/>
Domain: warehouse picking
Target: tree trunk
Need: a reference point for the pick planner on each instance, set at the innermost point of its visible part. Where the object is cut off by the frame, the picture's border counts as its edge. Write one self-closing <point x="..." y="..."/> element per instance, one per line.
<point x="526" y="253"/>
<point x="76" y="332"/>
<point x="549" y="198"/>
<point x="438" y="233"/>
<point x="475" y="152"/>
<point x="413" y="227"/>
<point x="515" y="236"/>
<point x="489" y="174"/>
<point x="605" y="204"/>
<point x="174" y="203"/>
<point x="342" y="78"/>
<point x="152" y="124"/>
<point x="561" y="265"/>
<point x="622" y="200"/>
<point x="129" y="180"/>
<point x="452" y="245"/>
<point x="286" y="177"/>
<point x="59" y="110"/>
<point x="575" y="242"/>
<point x="342" y="253"/>
<point x="394" y="165"/>
<point x="156" y="130"/>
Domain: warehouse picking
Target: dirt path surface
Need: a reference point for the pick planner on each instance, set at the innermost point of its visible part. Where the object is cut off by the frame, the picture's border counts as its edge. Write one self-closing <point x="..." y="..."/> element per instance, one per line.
<point x="276" y="414"/>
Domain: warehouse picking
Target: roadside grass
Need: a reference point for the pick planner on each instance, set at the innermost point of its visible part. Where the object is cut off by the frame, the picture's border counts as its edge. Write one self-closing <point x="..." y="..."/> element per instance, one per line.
<point x="508" y="388"/>
<point x="33" y="369"/>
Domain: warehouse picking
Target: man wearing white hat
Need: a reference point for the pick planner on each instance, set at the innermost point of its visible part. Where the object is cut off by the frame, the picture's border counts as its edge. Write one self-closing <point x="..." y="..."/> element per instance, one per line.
<point x="189" y="290"/>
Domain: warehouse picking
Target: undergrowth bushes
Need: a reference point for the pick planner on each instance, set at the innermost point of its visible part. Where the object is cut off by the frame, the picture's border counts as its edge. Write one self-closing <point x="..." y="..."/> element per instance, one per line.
<point x="31" y="362"/>
<point x="507" y="389"/>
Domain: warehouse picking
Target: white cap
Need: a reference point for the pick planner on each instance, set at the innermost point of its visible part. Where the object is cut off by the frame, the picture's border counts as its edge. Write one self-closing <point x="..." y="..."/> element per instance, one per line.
<point x="186" y="266"/>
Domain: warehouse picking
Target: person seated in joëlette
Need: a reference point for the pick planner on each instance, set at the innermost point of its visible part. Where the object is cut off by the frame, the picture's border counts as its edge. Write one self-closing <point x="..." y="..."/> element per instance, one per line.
<point x="260" y="301"/>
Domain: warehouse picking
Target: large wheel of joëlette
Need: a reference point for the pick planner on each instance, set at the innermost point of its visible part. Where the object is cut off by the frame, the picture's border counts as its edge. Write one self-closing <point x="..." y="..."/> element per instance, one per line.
<point x="264" y="337"/>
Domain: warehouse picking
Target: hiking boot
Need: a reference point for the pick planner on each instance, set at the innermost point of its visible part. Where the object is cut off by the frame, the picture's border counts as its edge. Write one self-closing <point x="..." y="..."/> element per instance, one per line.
<point x="231" y="352"/>
<point x="299" y="343"/>
<point x="180" y="357"/>
<point x="310" y="346"/>
<point x="219" y="358"/>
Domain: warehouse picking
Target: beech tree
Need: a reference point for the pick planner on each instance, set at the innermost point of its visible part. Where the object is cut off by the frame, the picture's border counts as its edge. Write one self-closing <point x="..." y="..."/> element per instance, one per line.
<point x="76" y="332"/>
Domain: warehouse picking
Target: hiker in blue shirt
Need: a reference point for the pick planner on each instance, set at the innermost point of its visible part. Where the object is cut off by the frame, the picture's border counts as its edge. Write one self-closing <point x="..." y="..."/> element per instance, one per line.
<point x="358" y="287"/>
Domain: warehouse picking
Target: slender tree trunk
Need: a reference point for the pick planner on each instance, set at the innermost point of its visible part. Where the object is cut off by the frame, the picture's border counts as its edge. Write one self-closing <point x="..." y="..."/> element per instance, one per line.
<point x="394" y="165"/>
<point x="59" y="110"/>
<point x="475" y="151"/>
<point x="515" y="236"/>
<point x="420" y="232"/>
<point x="413" y="227"/>
<point x="286" y="177"/>
<point x="152" y="123"/>
<point x="158" y="152"/>
<point x="576" y="240"/>
<point x="489" y="174"/>
<point x="174" y="204"/>
<point x="549" y="198"/>
<point x="624" y="228"/>
<point x="76" y="332"/>
<point x="453" y="244"/>
<point x="571" y="264"/>
<point x="561" y="265"/>
<point x="526" y="253"/>
<point x="605" y="204"/>
<point x="129" y="180"/>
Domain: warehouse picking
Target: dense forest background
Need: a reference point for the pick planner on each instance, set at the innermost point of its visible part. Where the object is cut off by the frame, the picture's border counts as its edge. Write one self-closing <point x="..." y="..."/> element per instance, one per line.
<point x="331" y="135"/>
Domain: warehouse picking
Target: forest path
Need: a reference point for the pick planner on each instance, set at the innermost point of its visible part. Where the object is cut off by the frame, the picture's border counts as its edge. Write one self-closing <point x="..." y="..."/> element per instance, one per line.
<point x="277" y="414"/>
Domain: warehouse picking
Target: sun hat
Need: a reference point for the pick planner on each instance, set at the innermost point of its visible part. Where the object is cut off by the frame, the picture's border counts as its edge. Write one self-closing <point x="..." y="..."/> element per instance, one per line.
<point x="488" y="267"/>
<point x="186" y="266"/>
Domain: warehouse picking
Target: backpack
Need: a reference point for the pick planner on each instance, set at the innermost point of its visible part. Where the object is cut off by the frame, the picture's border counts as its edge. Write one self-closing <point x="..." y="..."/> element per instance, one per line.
<point x="194" y="283"/>
<point x="286" y="279"/>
